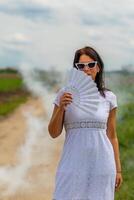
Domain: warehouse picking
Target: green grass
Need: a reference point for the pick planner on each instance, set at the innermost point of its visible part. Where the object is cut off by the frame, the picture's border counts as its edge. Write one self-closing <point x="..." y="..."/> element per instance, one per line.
<point x="127" y="189"/>
<point x="8" y="107"/>
<point x="10" y="84"/>
<point x="123" y="86"/>
<point x="12" y="93"/>
<point x="125" y="130"/>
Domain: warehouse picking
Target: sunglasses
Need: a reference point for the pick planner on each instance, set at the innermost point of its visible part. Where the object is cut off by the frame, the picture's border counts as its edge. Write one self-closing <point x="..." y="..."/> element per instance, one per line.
<point x="90" y="65"/>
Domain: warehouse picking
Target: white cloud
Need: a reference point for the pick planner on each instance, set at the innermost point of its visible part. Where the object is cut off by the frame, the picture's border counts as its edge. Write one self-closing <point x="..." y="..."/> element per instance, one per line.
<point x="131" y="41"/>
<point x="17" y="39"/>
<point x="51" y="33"/>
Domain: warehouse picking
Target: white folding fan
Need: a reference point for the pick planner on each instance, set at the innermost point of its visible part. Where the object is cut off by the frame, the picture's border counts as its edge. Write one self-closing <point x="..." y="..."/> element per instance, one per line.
<point x="84" y="91"/>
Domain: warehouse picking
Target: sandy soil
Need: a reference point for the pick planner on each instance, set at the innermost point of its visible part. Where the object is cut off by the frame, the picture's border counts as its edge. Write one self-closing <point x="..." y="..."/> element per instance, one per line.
<point x="28" y="155"/>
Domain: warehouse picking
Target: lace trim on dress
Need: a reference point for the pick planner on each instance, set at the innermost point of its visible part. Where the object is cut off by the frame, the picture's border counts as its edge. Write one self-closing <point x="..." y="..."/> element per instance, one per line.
<point x="85" y="124"/>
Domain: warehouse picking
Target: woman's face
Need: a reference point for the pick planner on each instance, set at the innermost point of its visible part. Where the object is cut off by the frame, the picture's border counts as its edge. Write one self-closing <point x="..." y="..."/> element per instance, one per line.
<point x="89" y="71"/>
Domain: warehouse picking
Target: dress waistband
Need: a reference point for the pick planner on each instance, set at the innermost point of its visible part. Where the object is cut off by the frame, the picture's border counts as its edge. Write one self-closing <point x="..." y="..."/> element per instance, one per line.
<point x="85" y="124"/>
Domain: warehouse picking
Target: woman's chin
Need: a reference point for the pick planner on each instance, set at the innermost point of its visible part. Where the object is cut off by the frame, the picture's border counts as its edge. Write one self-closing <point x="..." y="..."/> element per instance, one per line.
<point x="89" y="75"/>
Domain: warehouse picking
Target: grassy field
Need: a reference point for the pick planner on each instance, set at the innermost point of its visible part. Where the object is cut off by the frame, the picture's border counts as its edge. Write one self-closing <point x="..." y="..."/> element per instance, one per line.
<point x="10" y="84"/>
<point x="125" y="129"/>
<point x="12" y="92"/>
<point x="123" y="86"/>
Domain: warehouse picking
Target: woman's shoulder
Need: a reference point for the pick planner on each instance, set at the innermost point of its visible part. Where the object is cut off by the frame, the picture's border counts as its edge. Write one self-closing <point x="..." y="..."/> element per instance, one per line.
<point x="111" y="98"/>
<point x="109" y="93"/>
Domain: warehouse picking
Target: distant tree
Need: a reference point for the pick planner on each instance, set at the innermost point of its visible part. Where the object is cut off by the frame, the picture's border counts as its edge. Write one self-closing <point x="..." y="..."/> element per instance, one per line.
<point x="9" y="70"/>
<point x="128" y="68"/>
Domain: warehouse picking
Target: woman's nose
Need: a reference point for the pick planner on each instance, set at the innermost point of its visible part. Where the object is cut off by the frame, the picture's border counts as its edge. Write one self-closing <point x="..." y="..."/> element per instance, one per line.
<point x="86" y="67"/>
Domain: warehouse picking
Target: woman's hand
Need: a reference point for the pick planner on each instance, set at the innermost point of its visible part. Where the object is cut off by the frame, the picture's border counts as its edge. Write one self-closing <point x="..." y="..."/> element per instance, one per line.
<point x="118" y="181"/>
<point x="65" y="99"/>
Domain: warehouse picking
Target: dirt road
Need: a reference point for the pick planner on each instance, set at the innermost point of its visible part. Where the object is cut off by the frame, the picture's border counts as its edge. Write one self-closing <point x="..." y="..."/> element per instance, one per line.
<point x="28" y="155"/>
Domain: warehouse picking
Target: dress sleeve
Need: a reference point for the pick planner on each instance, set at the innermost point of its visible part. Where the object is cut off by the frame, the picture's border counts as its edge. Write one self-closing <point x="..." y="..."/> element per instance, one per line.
<point x="113" y="101"/>
<point x="58" y="95"/>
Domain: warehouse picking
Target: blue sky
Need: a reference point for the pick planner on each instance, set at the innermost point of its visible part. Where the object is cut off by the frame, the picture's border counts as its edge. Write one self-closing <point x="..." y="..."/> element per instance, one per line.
<point x="47" y="33"/>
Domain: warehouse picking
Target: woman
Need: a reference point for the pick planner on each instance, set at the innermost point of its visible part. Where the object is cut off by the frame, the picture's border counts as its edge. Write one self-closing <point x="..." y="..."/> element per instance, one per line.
<point x="89" y="168"/>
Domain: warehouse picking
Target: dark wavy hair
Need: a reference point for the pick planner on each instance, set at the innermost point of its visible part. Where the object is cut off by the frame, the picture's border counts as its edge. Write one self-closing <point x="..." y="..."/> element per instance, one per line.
<point x="99" y="79"/>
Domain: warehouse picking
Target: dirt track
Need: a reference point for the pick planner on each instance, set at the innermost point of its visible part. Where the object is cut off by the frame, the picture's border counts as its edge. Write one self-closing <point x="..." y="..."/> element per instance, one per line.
<point x="37" y="162"/>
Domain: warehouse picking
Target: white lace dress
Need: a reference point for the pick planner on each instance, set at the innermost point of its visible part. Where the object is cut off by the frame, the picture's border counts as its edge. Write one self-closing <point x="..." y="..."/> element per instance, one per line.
<point x="87" y="169"/>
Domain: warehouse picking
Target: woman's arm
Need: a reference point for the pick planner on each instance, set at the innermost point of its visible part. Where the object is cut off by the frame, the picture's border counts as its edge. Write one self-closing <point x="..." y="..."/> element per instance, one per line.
<point x="56" y="123"/>
<point x="112" y="135"/>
